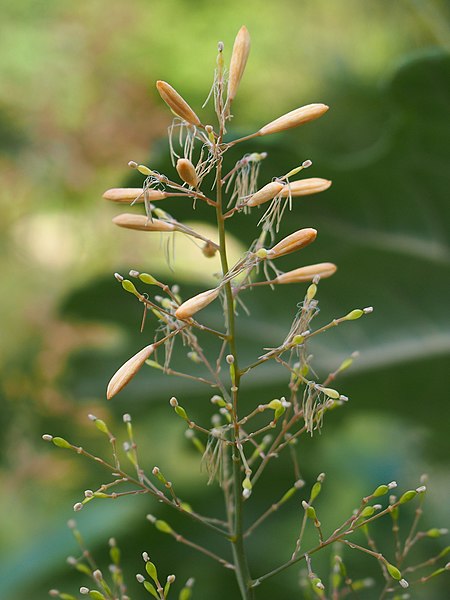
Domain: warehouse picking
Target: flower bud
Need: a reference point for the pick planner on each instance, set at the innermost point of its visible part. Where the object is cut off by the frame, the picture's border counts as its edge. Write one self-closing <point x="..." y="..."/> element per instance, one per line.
<point x="305" y="187"/>
<point x="127" y="371"/>
<point x="297" y="240"/>
<point x="265" y="194"/>
<point x="176" y="103"/>
<point x="142" y="223"/>
<point x="186" y="171"/>
<point x="196" y="303"/>
<point x="294" y="118"/>
<point x="133" y="195"/>
<point x="239" y="56"/>
<point x="307" y="273"/>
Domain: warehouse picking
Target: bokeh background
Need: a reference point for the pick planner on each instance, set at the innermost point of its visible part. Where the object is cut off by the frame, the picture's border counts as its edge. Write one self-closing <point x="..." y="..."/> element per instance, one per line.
<point x="77" y="102"/>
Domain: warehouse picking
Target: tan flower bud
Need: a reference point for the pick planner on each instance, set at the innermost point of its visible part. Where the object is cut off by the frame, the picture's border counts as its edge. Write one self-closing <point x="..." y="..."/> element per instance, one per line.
<point x="133" y="195"/>
<point x="307" y="273"/>
<point x="239" y="56"/>
<point x="296" y="117"/>
<point x="265" y="194"/>
<point x="176" y="103"/>
<point x="127" y="371"/>
<point x="142" y="223"/>
<point x="305" y="187"/>
<point x="297" y="240"/>
<point x="186" y="171"/>
<point x="196" y="303"/>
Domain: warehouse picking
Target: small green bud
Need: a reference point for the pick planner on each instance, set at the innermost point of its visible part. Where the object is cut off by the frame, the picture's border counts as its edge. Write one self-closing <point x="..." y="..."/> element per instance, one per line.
<point x="181" y="412"/>
<point x="291" y="491"/>
<point x="309" y="510"/>
<point x="153" y="364"/>
<point x="315" y="491"/>
<point x="144" y="170"/>
<point x="311" y="292"/>
<point x="330" y="393"/>
<point x="261" y="253"/>
<point x="407" y="496"/>
<point x="275" y="404"/>
<point x="101" y="426"/>
<point x="435" y="532"/>
<point x="114" y="553"/>
<point x="185" y="594"/>
<point x="354" y="314"/>
<point x="64" y="596"/>
<point x="393" y="571"/>
<point x="381" y="490"/>
<point x="247" y="484"/>
<point x="97" y="595"/>
<point x="279" y="412"/>
<point x="444" y="552"/>
<point x="367" y="512"/>
<point x="148" y="279"/>
<point x="61" y="442"/>
<point x="163" y="526"/>
<point x="148" y="586"/>
<point x="151" y="570"/>
<point x="129" y="286"/>
<point x="82" y="568"/>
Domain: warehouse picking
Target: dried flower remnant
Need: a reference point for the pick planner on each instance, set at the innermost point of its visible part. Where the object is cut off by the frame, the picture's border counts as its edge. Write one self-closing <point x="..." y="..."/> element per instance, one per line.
<point x="239" y="57"/>
<point x="296" y="117"/>
<point x="305" y="187"/>
<point x="176" y="103"/>
<point x="142" y="223"/>
<point x="307" y="273"/>
<point x="127" y="371"/>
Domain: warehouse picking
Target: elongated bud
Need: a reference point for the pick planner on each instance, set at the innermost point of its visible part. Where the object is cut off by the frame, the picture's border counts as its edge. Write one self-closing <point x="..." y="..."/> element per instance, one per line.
<point x="296" y="117"/>
<point x="176" y="103"/>
<point x="393" y="571"/>
<point x="297" y="240"/>
<point x="265" y="194"/>
<point x="129" y="195"/>
<point x="307" y="273"/>
<point x="241" y="50"/>
<point x="305" y="187"/>
<point x="193" y="305"/>
<point x="186" y="171"/>
<point x="142" y="223"/>
<point x="127" y="371"/>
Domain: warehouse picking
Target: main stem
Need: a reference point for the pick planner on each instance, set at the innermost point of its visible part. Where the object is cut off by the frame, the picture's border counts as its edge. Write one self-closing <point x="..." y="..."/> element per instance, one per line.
<point x="240" y="559"/>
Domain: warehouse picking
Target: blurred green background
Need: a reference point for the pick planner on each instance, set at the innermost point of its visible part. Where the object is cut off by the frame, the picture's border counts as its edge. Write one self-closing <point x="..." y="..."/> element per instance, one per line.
<point x="77" y="102"/>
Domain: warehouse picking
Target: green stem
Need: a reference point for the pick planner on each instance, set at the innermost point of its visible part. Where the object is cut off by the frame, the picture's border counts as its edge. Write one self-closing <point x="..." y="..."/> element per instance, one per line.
<point x="240" y="559"/>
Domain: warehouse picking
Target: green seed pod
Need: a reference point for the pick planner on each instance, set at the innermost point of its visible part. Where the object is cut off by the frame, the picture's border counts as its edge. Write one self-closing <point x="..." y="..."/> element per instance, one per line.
<point x="148" y="586"/>
<point x="291" y="491"/>
<point x="101" y="426"/>
<point x="393" y="571"/>
<point x="114" y="553"/>
<point x="163" y="526"/>
<point x="148" y="279"/>
<point x="381" y="490"/>
<point x="407" y="496"/>
<point x="367" y="512"/>
<point x="97" y="595"/>
<point x="330" y="393"/>
<point x="315" y="491"/>
<point x="82" y="568"/>
<point x="129" y="286"/>
<point x="354" y="314"/>
<point x="151" y="570"/>
<point x="61" y="442"/>
<point x="181" y="412"/>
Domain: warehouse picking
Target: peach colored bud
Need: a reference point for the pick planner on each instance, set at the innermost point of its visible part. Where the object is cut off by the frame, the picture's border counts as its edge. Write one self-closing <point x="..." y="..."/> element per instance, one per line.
<point x="176" y="103"/>
<point x="142" y="223"/>
<point x="127" y="371"/>
<point x="133" y="194"/>
<point x="307" y="273"/>
<point x="265" y="194"/>
<point x="186" y="171"/>
<point x="196" y="303"/>
<point x="297" y="240"/>
<point x="239" y="56"/>
<point x="304" y="187"/>
<point x="296" y="117"/>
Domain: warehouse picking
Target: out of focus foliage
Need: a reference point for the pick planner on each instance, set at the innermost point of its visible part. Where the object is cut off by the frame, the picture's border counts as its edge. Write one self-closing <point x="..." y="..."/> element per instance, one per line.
<point x="76" y="103"/>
